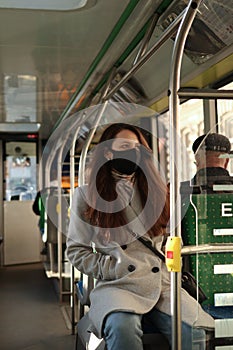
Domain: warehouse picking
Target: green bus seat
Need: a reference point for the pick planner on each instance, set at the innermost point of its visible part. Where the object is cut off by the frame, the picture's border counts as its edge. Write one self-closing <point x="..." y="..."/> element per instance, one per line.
<point x="208" y="220"/>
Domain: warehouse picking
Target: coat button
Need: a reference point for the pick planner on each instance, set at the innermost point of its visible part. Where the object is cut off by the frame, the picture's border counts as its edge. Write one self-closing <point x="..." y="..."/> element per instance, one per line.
<point x="124" y="246"/>
<point x="155" y="269"/>
<point x="131" y="268"/>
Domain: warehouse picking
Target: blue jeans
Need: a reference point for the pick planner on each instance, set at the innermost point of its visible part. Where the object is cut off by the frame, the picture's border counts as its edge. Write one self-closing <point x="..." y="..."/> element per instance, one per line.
<point x="124" y="330"/>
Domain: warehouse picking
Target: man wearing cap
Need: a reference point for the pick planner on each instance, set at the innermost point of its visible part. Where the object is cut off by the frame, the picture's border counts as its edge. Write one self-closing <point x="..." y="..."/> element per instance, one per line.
<point x="212" y="158"/>
<point x="212" y="153"/>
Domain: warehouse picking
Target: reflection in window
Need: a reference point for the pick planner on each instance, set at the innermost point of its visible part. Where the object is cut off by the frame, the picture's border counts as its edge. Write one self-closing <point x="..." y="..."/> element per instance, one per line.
<point x="20" y="171"/>
<point x="225" y="120"/>
<point x="20" y="98"/>
<point x="191" y="126"/>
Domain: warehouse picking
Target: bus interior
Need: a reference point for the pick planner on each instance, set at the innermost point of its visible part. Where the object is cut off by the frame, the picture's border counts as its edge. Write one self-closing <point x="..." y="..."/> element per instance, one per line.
<point x="68" y="69"/>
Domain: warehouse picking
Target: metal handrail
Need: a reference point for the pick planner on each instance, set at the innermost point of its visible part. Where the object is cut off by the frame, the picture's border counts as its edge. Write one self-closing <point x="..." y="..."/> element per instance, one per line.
<point x="167" y="34"/>
<point x="174" y="86"/>
<point x="146" y="39"/>
<point x="205" y="93"/>
<point x="81" y="181"/>
<point x="100" y="112"/>
<point x="207" y="248"/>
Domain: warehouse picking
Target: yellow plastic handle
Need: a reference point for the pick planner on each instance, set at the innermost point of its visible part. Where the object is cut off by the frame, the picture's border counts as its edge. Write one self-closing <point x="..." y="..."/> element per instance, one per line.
<point x="173" y="254"/>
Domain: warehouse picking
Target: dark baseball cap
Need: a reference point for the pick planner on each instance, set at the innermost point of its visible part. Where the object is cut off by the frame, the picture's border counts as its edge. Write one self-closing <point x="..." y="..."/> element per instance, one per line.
<point x="212" y="142"/>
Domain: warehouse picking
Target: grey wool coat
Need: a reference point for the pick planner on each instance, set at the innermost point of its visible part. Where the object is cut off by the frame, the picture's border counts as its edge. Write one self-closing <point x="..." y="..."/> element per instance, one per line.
<point x="130" y="277"/>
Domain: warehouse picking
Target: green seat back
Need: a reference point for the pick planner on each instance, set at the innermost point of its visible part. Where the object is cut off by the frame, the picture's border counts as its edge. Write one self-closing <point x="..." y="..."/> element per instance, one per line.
<point x="210" y="223"/>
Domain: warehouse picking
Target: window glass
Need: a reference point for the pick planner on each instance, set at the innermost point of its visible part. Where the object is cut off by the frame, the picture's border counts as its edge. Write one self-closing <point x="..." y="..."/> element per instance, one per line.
<point x="191" y="126"/>
<point x="20" y="98"/>
<point x="20" y="171"/>
<point x="225" y="120"/>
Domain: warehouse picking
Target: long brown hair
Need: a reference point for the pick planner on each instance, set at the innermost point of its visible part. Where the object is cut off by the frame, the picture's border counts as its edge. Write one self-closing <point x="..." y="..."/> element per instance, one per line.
<point x="105" y="183"/>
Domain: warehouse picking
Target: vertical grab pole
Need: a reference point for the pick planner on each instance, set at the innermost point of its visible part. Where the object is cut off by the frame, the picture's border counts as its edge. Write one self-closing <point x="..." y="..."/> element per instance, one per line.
<point x="72" y="164"/>
<point x="47" y="165"/>
<point x="174" y="86"/>
<point x="82" y="162"/>
<point x="72" y="186"/>
<point x="59" y="210"/>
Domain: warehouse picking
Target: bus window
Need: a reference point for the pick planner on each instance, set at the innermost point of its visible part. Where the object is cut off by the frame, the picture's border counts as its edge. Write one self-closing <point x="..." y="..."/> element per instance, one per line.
<point x="20" y="171"/>
<point x="225" y="120"/>
<point x="191" y="126"/>
<point x="18" y="107"/>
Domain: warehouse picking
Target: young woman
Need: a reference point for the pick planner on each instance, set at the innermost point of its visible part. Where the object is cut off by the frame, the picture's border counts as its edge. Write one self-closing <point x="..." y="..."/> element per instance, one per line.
<point x="126" y="199"/>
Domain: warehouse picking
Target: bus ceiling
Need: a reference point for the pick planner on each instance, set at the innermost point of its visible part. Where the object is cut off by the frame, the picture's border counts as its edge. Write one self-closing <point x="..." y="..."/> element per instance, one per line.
<point x="71" y="53"/>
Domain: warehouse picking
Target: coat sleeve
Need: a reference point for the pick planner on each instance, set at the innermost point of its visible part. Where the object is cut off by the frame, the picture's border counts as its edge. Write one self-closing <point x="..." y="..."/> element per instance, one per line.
<point x="79" y="250"/>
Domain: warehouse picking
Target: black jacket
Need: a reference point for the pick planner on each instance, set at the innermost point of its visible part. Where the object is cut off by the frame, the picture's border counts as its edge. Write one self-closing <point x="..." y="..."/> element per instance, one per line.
<point x="204" y="180"/>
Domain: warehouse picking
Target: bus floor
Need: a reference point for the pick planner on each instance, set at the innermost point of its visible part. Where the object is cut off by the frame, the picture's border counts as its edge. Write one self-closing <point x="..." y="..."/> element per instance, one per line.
<point x="30" y="314"/>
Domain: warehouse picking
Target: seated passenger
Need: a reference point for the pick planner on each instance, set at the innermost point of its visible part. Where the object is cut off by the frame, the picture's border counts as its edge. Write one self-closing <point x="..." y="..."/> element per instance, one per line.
<point x="125" y="200"/>
<point x="211" y="161"/>
<point x="212" y="153"/>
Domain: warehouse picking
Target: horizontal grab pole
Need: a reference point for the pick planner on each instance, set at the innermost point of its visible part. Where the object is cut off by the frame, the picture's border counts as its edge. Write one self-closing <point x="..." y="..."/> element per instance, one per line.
<point x="205" y="93"/>
<point x="207" y="248"/>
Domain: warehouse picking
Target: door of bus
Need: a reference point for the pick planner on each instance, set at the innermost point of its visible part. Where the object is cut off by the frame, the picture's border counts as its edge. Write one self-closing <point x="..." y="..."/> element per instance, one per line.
<point x="21" y="238"/>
